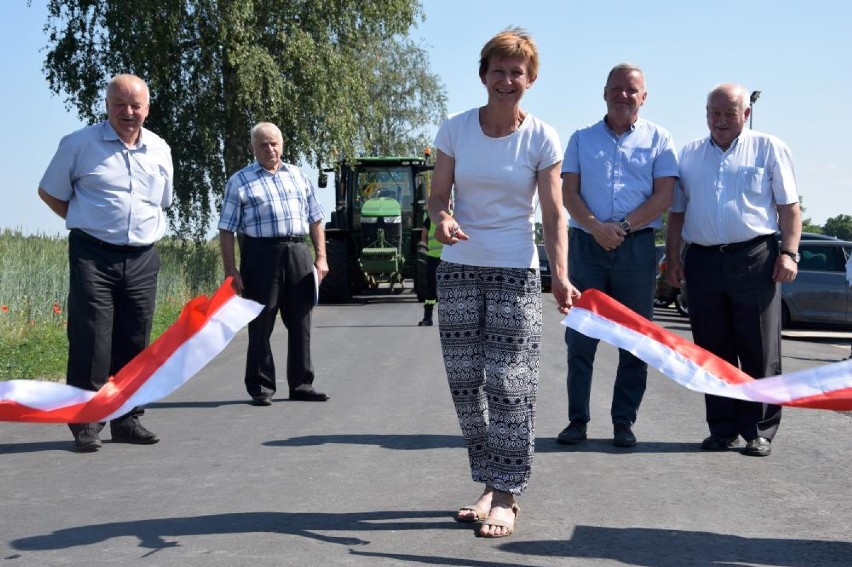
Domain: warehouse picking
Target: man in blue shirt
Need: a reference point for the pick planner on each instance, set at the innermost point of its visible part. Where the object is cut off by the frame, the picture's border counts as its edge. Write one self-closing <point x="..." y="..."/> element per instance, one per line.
<point x="274" y="206"/>
<point x="111" y="182"/>
<point x="618" y="176"/>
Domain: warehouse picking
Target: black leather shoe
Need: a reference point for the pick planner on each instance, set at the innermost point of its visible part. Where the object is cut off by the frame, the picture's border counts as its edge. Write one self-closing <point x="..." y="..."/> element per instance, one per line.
<point x="261" y="401"/>
<point x="758" y="447"/>
<point x="623" y="435"/>
<point x="573" y="434"/>
<point x="426" y="322"/>
<point x="306" y="393"/>
<point x="716" y="443"/>
<point x="87" y="441"/>
<point x="137" y="435"/>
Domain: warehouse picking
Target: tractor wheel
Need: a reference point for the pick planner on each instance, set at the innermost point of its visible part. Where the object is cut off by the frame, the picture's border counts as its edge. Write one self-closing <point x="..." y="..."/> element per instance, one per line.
<point x="335" y="285"/>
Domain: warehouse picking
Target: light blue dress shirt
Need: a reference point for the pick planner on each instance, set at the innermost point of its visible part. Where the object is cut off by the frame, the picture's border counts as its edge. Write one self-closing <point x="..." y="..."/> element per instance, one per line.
<point x="114" y="193"/>
<point x="617" y="172"/>
<point x="731" y="196"/>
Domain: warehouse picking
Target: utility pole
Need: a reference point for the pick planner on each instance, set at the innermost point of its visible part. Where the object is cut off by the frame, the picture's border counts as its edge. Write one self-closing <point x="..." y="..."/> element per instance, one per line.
<point x="753" y="99"/>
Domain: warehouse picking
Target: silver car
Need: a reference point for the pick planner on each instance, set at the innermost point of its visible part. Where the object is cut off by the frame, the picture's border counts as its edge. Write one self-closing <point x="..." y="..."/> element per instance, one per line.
<point x="820" y="294"/>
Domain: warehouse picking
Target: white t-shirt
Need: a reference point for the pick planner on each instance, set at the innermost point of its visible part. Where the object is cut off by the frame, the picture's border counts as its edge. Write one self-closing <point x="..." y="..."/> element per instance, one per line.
<point x="495" y="189"/>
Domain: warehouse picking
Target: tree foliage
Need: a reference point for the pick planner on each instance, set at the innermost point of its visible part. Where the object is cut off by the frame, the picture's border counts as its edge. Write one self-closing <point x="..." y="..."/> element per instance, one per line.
<point x="839" y="226"/>
<point x="406" y="99"/>
<point x="808" y="225"/>
<point x="216" y="67"/>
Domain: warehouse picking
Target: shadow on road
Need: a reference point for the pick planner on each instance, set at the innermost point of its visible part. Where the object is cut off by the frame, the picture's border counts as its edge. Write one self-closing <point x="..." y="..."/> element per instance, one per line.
<point x="815" y="359"/>
<point x="36" y="447"/>
<point x="423" y="560"/>
<point x="398" y="442"/>
<point x="197" y="405"/>
<point x="652" y="547"/>
<point x="604" y="445"/>
<point x="542" y="444"/>
<point x="156" y="534"/>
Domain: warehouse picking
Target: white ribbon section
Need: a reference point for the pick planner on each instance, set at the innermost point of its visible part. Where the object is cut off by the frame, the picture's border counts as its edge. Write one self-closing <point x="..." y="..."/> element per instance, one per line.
<point x="780" y="390"/>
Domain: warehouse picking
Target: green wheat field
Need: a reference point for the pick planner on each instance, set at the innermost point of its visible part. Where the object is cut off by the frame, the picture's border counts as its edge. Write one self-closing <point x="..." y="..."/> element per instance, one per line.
<point x="34" y="293"/>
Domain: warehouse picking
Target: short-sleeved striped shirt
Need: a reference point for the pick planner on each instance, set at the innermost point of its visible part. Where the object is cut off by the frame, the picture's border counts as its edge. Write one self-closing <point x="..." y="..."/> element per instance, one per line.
<point x="268" y="205"/>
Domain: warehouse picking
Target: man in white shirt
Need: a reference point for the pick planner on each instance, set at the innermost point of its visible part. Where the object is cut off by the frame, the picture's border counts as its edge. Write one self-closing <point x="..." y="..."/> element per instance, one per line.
<point x="736" y="189"/>
<point x="110" y="182"/>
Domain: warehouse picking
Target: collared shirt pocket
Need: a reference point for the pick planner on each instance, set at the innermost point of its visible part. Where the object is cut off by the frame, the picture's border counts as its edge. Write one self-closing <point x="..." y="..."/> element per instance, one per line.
<point x="151" y="180"/>
<point x="750" y="179"/>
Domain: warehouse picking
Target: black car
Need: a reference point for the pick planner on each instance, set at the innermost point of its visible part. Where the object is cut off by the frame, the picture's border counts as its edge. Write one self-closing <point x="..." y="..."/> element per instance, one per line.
<point x="543" y="267"/>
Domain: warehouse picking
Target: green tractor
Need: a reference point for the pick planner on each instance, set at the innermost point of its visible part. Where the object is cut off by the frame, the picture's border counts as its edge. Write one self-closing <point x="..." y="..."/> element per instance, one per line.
<point x="373" y="235"/>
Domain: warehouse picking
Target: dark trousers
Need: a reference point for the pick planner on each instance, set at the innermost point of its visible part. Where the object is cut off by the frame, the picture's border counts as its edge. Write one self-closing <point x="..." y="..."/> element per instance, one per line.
<point x="111" y="299"/>
<point x="279" y="275"/>
<point x="431" y="280"/>
<point x="735" y="310"/>
<point x="628" y="275"/>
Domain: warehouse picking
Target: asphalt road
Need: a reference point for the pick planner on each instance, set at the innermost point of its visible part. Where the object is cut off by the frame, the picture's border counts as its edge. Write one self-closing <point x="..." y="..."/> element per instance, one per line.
<point x="373" y="476"/>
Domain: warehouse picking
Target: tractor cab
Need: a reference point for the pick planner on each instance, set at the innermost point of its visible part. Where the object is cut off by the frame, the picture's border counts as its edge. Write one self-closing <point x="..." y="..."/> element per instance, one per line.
<point x="374" y="230"/>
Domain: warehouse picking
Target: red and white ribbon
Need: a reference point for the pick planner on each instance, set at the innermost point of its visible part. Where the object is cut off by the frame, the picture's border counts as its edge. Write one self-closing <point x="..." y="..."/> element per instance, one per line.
<point x="599" y="316"/>
<point x="203" y="330"/>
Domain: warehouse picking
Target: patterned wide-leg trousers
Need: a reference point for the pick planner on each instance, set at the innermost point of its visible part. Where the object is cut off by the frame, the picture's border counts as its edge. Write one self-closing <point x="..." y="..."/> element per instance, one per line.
<point x="490" y="329"/>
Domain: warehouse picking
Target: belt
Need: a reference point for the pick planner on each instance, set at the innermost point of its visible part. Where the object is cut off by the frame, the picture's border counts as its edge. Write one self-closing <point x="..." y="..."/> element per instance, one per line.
<point x="279" y="239"/>
<point x="733" y="247"/>
<point x="82" y="234"/>
<point x="645" y="230"/>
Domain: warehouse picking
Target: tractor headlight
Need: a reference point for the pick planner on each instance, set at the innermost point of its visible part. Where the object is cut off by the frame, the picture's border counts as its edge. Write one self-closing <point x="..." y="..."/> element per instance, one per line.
<point x="369" y="220"/>
<point x="393" y="220"/>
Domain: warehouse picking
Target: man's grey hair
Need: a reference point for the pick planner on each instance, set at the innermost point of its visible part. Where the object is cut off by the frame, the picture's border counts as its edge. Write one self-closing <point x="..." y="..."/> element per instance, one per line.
<point x="738" y="92"/>
<point x="265" y="127"/>
<point x="630" y="67"/>
<point x="128" y="77"/>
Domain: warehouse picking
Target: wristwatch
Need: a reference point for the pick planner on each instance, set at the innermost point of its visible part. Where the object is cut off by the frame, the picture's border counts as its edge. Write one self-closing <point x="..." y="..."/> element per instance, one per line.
<point x="794" y="255"/>
<point x="625" y="225"/>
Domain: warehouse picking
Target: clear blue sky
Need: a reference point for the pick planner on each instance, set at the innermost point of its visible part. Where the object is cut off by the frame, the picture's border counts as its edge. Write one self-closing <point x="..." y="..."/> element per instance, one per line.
<point x="796" y="53"/>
